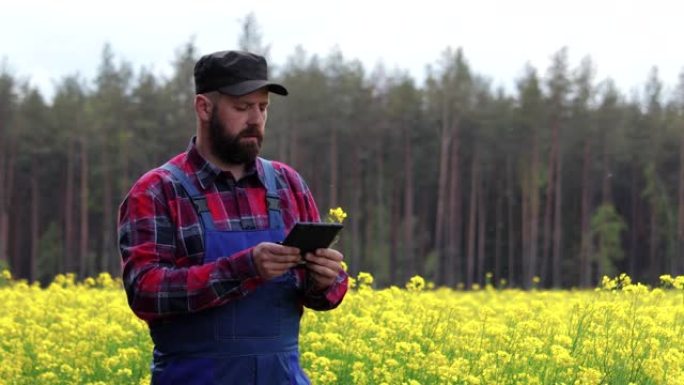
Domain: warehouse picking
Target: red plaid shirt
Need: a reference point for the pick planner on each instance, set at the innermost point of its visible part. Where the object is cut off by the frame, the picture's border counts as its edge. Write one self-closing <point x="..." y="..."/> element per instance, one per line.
<point x="161" y="239"/>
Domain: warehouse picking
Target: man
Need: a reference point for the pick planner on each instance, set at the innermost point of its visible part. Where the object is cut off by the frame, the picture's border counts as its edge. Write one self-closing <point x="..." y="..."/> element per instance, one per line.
<point x="199" y="243"/>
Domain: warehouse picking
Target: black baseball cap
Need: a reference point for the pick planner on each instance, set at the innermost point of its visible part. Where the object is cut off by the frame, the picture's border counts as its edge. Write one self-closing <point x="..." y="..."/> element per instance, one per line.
<point x="233" y="73"/>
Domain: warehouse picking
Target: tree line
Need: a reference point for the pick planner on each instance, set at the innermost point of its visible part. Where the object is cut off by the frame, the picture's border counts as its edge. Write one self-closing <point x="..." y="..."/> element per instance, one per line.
<point x="556" y="183"/>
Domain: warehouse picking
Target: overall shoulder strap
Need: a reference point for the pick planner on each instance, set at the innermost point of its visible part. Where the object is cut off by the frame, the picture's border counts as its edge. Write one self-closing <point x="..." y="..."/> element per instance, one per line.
<point x="199" y="201"/>
<point x="275" y="216"/>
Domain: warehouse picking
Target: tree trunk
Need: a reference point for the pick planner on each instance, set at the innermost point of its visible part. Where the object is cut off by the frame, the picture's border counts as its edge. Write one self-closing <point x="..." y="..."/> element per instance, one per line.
<point x="8" y="158"/>
<point x="4" y="233"/>
<point x="534" y="213"/>
<point x="370" y="208"/>
<point x="318" y="184"/>
<point x="441" y="203"/>
<point x="409" y="246"/>
<point x="395" y="268"/>
<point x="282" y="138"/>
<point x="472" y="219"/>
<point x="634" y="230"/>
<point x="679" y="266"/>
<point x="83" y="246"/>
<point x="18" y="244"/>
<point x="108" y="231"/>
<point x="293" y="147"/>
<point x="35" y="226"/>
<point x="67" y="264"/>
<point x="383" y="206"/>
<point x="511" y="221"/>
<point x="356" y="214"/>
<point x="548" y="210"/>
<point x="586" y="241"/>
<point x="123" y="176"/>
<point x="9" y="191"/>
<point x="333" y="167"/>
<point x="525" y="221"/>
<point x="654" y="239"/>
<point x="558" y="223"/>
<point x="3" y="192"/>
<point x="481" y="236"/>
<point x="607" y="192"/>
<point x="364" y="214"/>
<point x="498" y="231"/>
<point x="454" y="220"/>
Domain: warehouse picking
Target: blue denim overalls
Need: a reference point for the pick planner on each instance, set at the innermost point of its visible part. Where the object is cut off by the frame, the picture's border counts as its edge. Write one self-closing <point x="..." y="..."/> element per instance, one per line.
<point x="248" y="341"/>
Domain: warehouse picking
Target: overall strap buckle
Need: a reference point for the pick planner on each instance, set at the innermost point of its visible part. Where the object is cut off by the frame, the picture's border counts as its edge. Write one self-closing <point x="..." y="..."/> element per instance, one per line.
<point x="273" y="201"/>
<point x="200" y="204"/>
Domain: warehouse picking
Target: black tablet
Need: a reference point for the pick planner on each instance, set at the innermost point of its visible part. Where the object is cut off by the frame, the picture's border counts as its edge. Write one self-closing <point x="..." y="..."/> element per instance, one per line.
<point x="309" y="236"/>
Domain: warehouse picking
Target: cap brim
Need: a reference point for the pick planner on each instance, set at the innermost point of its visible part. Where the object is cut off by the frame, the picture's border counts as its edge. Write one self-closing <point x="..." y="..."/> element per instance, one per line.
<point x="250" y="86"/>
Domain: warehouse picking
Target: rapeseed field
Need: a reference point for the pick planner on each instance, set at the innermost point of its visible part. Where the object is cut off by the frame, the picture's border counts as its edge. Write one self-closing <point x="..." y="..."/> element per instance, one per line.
<point x="621" y="333"/>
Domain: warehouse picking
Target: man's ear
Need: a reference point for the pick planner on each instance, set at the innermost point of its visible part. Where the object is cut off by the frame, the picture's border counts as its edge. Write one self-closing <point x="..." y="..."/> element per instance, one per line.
<point x="203" y="107"/>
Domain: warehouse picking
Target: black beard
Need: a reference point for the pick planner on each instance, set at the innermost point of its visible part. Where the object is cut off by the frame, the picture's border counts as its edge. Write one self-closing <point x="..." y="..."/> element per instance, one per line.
<point x="227" y="147"/>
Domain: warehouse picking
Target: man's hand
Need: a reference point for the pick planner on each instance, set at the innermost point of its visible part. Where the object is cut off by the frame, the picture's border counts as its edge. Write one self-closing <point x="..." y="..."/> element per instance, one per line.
<point x="324" y="266"/>
<point x="273" y="260"/>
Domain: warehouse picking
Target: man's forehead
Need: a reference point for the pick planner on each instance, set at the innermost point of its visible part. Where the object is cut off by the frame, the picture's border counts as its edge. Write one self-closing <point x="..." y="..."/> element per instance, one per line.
<point x="258" y="96"/>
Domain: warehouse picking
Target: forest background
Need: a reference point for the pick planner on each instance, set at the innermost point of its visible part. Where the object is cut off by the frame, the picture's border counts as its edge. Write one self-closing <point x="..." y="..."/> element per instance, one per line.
<point x="562" y="180"/>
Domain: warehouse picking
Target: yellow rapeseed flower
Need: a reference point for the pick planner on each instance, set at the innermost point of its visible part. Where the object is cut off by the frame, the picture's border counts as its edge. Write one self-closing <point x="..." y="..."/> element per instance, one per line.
<point x="679" y="282"/>
<point x="666" y="280"/>
<point x="416" y="283"/>
<point x="364" y="279"/>
<point x="337" y="215"/>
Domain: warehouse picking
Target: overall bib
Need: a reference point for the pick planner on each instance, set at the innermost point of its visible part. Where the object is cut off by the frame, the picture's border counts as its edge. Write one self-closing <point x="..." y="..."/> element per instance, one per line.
<point x="249" y="341"/>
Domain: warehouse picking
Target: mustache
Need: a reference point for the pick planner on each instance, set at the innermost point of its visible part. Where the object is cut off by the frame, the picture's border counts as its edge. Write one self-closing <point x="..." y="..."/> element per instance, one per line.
<point x="249" y="132"/>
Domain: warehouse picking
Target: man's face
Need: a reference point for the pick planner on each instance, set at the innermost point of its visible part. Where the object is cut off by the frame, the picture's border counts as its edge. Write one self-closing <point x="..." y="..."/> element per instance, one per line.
<point x="236" y="126"/>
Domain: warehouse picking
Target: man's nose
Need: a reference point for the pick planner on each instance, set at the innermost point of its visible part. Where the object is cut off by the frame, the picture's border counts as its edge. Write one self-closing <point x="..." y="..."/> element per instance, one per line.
<point x="256" y="115"/>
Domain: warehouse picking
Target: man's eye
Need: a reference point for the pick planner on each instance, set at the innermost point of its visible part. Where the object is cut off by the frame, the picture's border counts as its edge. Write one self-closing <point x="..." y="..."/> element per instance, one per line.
<point x="241" y="108"/>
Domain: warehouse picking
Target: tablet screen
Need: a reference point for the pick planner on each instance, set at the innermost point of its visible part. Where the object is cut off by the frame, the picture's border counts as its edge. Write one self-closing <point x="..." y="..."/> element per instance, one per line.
<point x="309" y="236"/>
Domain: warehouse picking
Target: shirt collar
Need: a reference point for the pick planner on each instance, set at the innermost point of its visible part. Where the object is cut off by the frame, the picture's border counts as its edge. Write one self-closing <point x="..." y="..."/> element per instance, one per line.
<point x="207" y="172"/>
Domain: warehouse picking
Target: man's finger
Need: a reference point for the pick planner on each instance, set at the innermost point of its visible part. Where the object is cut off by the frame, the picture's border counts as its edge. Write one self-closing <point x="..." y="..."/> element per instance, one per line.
<point x="327" y="268"/>
<point x="324" y="261"/>
<point x="287" y="258"/>
<point x="277" y="249"/>
<point x="286" y="250"/>
<point x="330" y="254"/>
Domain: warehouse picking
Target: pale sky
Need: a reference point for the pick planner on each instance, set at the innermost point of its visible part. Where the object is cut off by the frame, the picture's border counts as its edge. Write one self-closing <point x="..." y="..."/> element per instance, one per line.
<point x="43" y="41"/>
